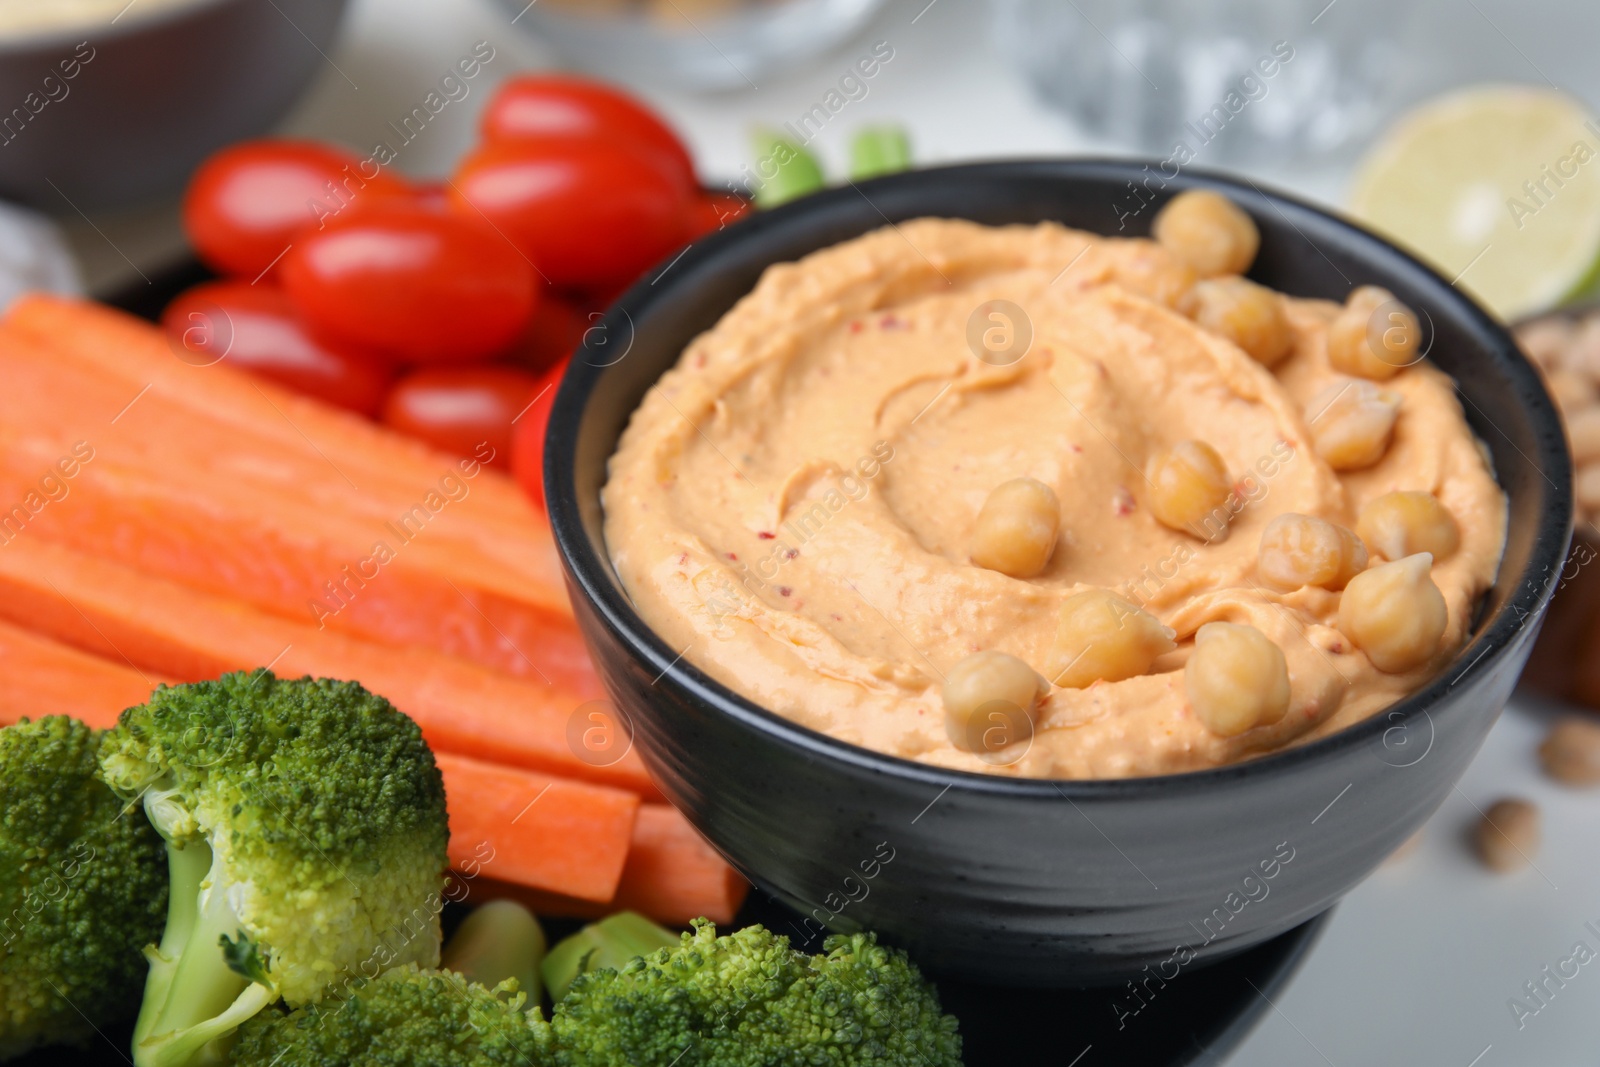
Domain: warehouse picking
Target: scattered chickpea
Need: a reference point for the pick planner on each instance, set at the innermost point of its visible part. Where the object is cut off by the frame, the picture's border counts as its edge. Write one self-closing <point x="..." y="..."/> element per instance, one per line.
<point x="1352" y="423"/>
<point x="1367" y="347"/>
<point x="1300" y="550"/>
<point x="1571" y="751"/>
<point x="1402" y="524"/>
<point x="1209" y="232"/>
<point x="1571" y="391"/>
<point x="1507" y="837"/>
<point x="1395" y="614"/>
<point x="1249" y="315"/>
<point x="1586" y="487"/>
<point x="1189" y="487"/>
<point x="1583" y="433"/>
<point x="1236" y="678"/>
<point x="1016" y="528"/>
<point x="1101" y="637"/>
<point x="1547" y="341"/>
<point x="990" y="699"/>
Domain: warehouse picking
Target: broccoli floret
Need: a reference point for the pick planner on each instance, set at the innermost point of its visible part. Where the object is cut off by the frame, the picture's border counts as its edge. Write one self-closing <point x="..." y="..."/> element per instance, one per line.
<point x="82" y="889"/>
<point x="749" y="1000"/>
<point x="405" y="1017"/>
<point x="305" y="829"/>
<point x="409" y="1017"/>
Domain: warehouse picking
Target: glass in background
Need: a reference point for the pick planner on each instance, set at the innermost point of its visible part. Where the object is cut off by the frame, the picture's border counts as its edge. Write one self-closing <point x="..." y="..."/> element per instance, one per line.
<point x="1280" y="84"/>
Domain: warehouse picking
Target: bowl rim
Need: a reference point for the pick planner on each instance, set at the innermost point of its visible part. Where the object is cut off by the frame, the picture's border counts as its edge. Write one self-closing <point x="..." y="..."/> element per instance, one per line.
<point x="587" y="570"/>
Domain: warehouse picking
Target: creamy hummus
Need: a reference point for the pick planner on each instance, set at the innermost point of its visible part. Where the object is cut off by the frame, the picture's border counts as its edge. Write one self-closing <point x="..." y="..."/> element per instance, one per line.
<point x="791" y="504"/>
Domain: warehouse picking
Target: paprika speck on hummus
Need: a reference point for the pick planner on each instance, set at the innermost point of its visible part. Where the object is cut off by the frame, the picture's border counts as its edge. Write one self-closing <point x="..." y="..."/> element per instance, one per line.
<point x="1028" y="501"/>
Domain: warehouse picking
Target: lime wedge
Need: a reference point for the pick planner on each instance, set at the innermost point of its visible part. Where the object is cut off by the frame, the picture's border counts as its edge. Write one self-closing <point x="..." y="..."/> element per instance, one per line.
<point x="1498" y="188"/>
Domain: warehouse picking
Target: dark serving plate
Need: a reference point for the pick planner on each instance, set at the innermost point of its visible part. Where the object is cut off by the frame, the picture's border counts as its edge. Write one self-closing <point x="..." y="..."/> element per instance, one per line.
<point x="1199" y="1017"/>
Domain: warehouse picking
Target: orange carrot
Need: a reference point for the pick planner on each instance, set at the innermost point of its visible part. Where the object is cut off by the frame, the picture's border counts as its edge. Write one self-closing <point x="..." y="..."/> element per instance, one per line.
<point x="210" y="478"/>
<point x="39" y="677"/>
<point x="546" y="833"/>
<point x="160" y="626"/>
<point x="673" y="875"/>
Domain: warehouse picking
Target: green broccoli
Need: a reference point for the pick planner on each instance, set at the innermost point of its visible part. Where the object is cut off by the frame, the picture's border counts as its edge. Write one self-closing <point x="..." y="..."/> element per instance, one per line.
<point x="749" y="1000"/>
<point x="415" y="1018"/>
<point x="611" y="942"/>
<point x="82" y="889"/>
<point x="404" y="1018"/>
<point x="306" y="830"/>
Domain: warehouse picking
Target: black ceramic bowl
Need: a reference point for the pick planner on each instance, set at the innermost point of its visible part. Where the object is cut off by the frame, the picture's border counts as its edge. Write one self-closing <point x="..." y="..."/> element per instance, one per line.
<point x="1035" y="882"/>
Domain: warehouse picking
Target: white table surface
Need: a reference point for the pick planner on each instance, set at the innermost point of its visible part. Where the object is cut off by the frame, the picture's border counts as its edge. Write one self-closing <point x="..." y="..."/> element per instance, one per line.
<point x="1419" y="962"/>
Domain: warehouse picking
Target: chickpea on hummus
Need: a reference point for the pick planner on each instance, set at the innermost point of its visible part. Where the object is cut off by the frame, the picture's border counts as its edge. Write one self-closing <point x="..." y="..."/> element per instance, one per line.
<point x="1029" y="501"/>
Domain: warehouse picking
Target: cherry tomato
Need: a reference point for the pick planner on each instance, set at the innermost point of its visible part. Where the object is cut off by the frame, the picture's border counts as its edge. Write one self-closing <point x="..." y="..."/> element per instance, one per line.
<point x="247" y="203"/>
<point x="424" y="286"/>
<point x="458" y="409"/>
<point x="592" y="215"/>
<point x="556" y="330"/>
<point x="527" y="438"/>
<point x="712" y="211"/>
<point x="543" y="105"/>
<point x="252" y="327"/>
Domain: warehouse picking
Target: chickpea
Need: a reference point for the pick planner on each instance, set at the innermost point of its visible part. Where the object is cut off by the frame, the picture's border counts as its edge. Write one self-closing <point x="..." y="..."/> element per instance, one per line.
<point x="1375" y="336"/>
<point x="1101" y="637"/>
<point x="1209" y="232"/>
<point x="1571" y="752"/>
<point x="1352" y="423"/>
<point x="1301" y="550"/>
<point x="1016" y="528"/>
<point x="1507" y="837"/>
<point x="1571" y="391"/>
<point x="1163" y="279"/>
<point x="1583" y="434"/>
<point x="1395" y="614"/>
<point x="1189" y="489"/>
<point x="1586" y="487"/>
<point x="1402" y="524"/>
<point x="1249" y="315"/>
<point x="1547" y="341"/>
<point x="1236" y="678"/>
<point x="990" y="699"/>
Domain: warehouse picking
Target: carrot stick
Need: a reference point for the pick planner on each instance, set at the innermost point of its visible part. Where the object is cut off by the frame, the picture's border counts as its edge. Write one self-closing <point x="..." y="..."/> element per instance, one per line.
<point x="673" y="875"/>
<point x="530" y="829"/>
<point x="39" y="677"/>
<point x="110" y="610"/>
<point x="445" y="556"/>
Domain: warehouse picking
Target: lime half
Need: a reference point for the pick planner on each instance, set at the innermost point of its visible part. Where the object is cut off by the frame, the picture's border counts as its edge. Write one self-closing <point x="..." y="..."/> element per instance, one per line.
<point x="1498" y="188"/>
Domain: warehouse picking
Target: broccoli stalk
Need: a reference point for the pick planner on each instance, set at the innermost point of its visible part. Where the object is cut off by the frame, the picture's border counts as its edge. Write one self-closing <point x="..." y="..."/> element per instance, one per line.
<point x="198" y="997"/>
<point x="499" y="940"/>
<point x="305" y="827"/>
<point x="611" y="942"/>
<point x="82" y="889"/>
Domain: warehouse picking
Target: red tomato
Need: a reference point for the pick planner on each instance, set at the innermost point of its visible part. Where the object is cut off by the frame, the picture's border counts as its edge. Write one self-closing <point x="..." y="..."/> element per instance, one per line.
<point x="592" y="215"/>
<point x="713" y="211"/>
<point x="459" y="409"/>
<point x="424" y="286"/>
<point x="247" y="203"/>
<point x="253" y="328"/>
<point x="527" y="439"/>
<point x="556" y="330"/>
<point x="544" y="105"/>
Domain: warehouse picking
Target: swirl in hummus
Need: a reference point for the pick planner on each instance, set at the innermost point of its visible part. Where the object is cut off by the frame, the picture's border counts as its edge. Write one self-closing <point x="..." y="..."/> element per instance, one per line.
<point x="795" y="503"/>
